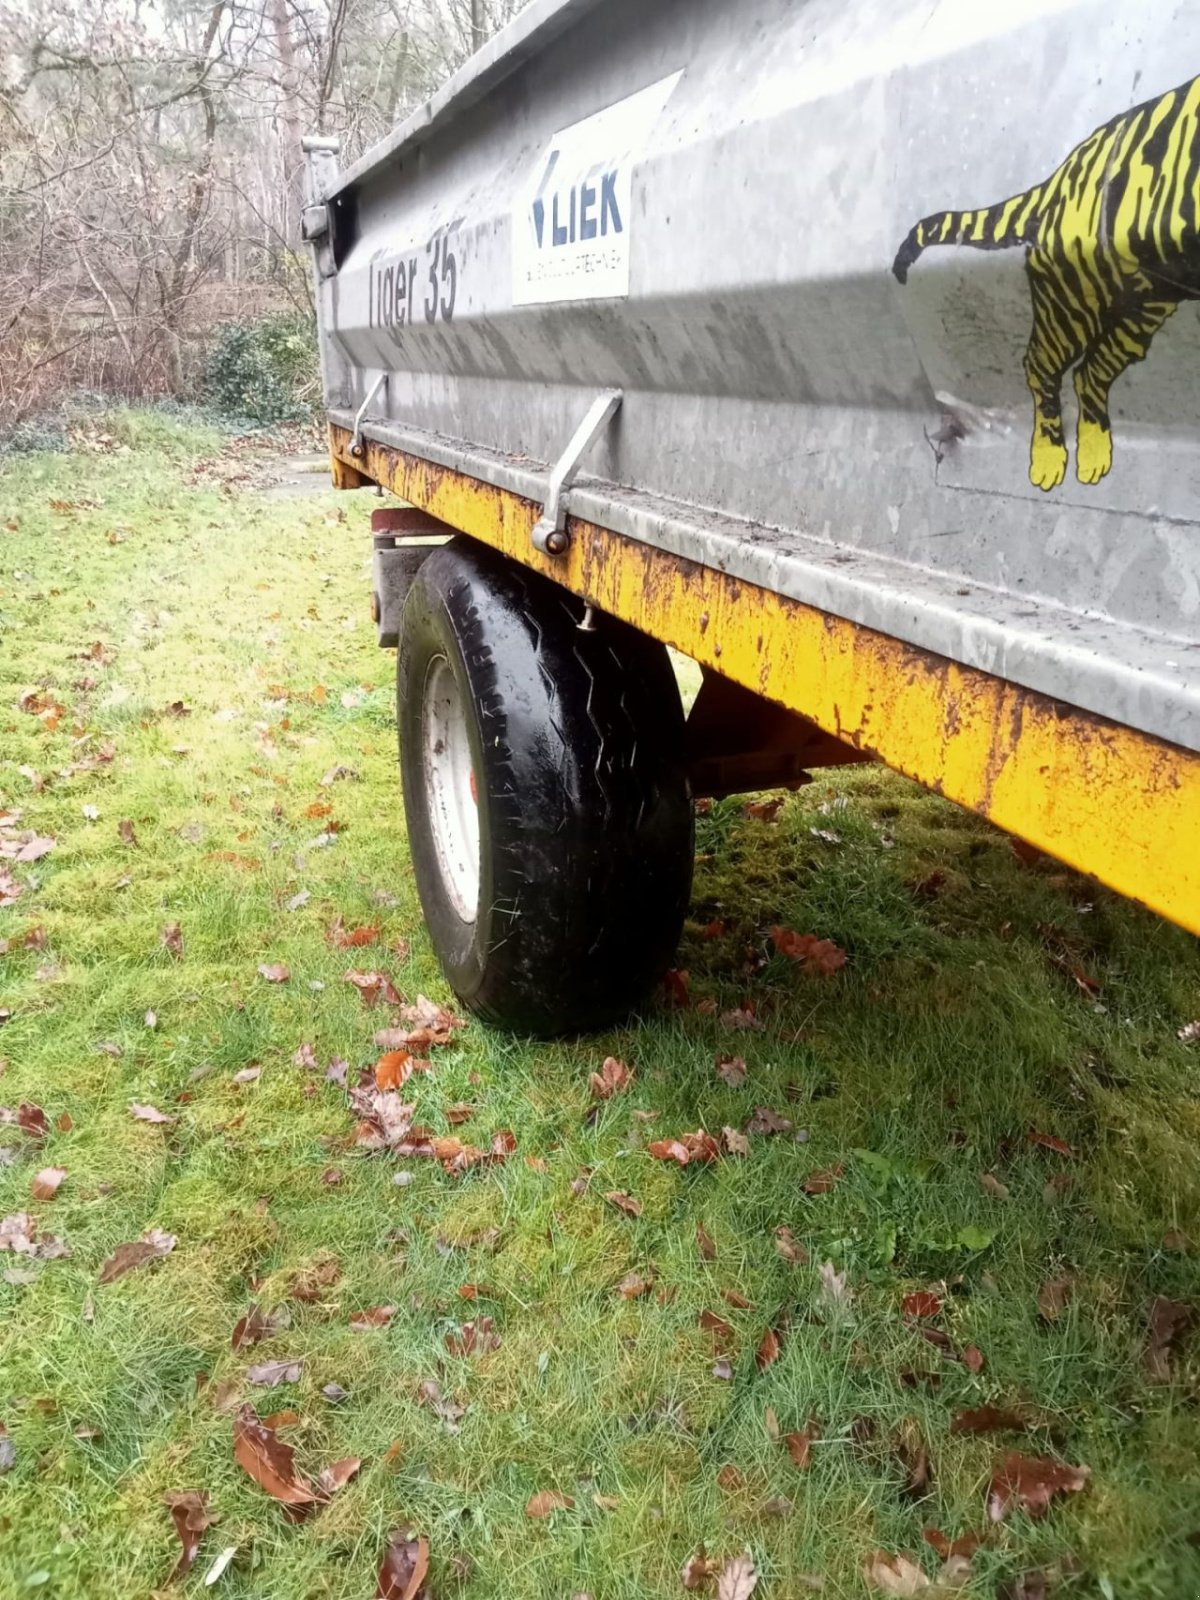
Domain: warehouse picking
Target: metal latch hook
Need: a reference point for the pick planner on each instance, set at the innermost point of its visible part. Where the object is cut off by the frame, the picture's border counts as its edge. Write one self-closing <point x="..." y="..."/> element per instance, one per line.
<point x="357" y="448"/>
<point x="550" y="531"/>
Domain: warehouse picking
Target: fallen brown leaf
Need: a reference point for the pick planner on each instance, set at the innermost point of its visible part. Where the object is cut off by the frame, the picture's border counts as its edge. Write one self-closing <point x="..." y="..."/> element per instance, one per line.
<point x="126" y="834"/>
<point x="799" y="1445"/>
<point x="921" y="1303"/>
<point x="946" y="1548"/>
<point x="274" y="972"/>
<point x="1031" y="1482"/>
<point x="613" y="1077"/>
<point x="376" y="1317"/>
<point x="704" y="1243"/>
<point x="405" y="1567"/>
<point x="478" y="1337"/>
<point x="765" y="1120"/>
<point x="735" y="1142"/>
<point x="1168" y="1321"/>
<point x="634" y="1284"/>
<point x="313" y="1279"/>
<point x="1049" y="1141"/>
<point x="990" y="1419"/>
<point x="894" y="1575"/>
<point x="351" y="938"/>
<point x="994" y="1187"/>
<point x="263" y="1456"/>
<point x="768" y="1351"/>
<point x="823" y="1182"/>
<point x="144" y="1113"/>
<point x="189" y="1513"/>
<point x="31" y="1119"/>
<point x="1054" y="1296"/>
<point x="787" y="1247"/>
<point x="698" y="1570"/>
<point x="912" y="1452"/>
<point x="738" y="1579"/>
<point x="699" y="1147"/>
<point x="172" y="939"/>
<point x="152" y="1246"/>
<point x="731" y="1070"/>
<point x="269" y="1374"/>
<point x="627" y="1203"/>
<point x="821" y="956"/>
<point x="547" y="1501"/>
<point x="721" y="1332"/>
<point x="47" y="1182"/>
<point x="373" y="986"/>
<point x="337" y="1475"/>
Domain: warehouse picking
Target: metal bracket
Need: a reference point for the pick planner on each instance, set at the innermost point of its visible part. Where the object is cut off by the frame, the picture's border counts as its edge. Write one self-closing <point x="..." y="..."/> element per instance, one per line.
<point x="550" y="532"/>
<point x="357" y="448"/>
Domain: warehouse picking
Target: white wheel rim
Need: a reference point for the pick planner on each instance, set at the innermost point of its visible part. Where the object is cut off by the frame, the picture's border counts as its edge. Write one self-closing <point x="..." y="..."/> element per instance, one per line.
<point x="450" y="787"/>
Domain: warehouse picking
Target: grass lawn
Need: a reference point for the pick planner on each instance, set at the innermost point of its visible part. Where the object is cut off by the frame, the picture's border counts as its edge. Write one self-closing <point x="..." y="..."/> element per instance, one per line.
<point x="992" y="1095"/>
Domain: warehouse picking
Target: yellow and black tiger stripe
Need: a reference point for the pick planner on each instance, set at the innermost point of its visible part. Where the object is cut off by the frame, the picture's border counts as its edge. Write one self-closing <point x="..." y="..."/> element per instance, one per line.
<point x="1112" y="242"/>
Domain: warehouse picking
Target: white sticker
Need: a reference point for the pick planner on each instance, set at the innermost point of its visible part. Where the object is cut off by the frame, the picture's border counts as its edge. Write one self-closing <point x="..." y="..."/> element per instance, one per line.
<point x="571" y="228"/>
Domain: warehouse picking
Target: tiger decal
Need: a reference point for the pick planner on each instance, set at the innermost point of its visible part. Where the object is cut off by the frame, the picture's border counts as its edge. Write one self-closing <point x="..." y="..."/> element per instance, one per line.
<point x="1112" y="246"/>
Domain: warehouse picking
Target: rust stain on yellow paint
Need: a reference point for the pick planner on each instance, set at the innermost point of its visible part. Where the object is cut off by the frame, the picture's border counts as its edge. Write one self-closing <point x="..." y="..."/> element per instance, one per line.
<point x="1110" y="801"/>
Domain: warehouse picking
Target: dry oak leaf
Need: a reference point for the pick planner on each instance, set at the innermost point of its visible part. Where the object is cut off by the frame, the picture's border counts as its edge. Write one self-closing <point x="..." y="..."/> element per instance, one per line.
<point x="152" y="1246"/>
<point x="47" y="1182"/>
<point x="815" y="955"/>
<point x="823" y="1182"/>
<point x="145" y="1113"/>
<point x="274" y="972"/>
<point x="894" y="1575"/>
<point x="738" y="1579"/>
<point x="271" y="1463"/>
<point x="189" y="1513"/>
<point x="546" y="1501"/>
<point x="405" y="1567"/>
<point x="613" y="1077"/>
<point x="736" y="1143"/>
<point x="1031" y="1482"/>
<point x="629" y="1204"/>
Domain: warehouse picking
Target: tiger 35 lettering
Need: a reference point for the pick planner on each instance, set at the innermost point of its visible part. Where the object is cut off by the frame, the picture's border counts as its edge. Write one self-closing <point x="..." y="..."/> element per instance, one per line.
<point x="1112" y="246"/>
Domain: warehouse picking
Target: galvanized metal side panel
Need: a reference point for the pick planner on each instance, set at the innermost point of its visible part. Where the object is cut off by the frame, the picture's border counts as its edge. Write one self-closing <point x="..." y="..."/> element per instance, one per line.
<point x="791" y="410"/>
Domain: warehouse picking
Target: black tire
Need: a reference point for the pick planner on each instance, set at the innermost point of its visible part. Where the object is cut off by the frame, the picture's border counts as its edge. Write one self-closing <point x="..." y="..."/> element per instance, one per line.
<point x="584" y="811"/>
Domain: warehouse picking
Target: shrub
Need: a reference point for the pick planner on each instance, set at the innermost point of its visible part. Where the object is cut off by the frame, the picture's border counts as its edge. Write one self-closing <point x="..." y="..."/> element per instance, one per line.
<point x="264" y="371"/>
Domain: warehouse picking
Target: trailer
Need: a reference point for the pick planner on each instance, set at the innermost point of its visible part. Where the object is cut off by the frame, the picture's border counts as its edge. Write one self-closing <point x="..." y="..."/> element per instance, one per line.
<point x="744" y="327"/>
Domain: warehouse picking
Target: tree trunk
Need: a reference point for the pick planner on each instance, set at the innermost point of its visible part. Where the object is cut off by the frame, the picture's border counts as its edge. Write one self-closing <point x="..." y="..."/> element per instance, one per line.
<point x="289" y="85"/>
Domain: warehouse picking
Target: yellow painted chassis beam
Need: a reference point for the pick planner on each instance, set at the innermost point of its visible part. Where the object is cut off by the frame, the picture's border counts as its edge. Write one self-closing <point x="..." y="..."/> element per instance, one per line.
<point x="1117" y="804"/>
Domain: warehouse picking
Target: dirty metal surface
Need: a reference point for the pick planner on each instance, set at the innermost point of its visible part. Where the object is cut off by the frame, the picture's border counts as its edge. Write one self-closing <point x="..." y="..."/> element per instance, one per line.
<point x="1108" y="800"/>
<point x="870" y="446"/>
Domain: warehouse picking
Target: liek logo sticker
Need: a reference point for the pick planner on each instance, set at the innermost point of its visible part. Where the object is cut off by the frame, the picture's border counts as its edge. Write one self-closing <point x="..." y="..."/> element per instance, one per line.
<point x="571" y="226"/>
<point x="1112" y="248"/>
